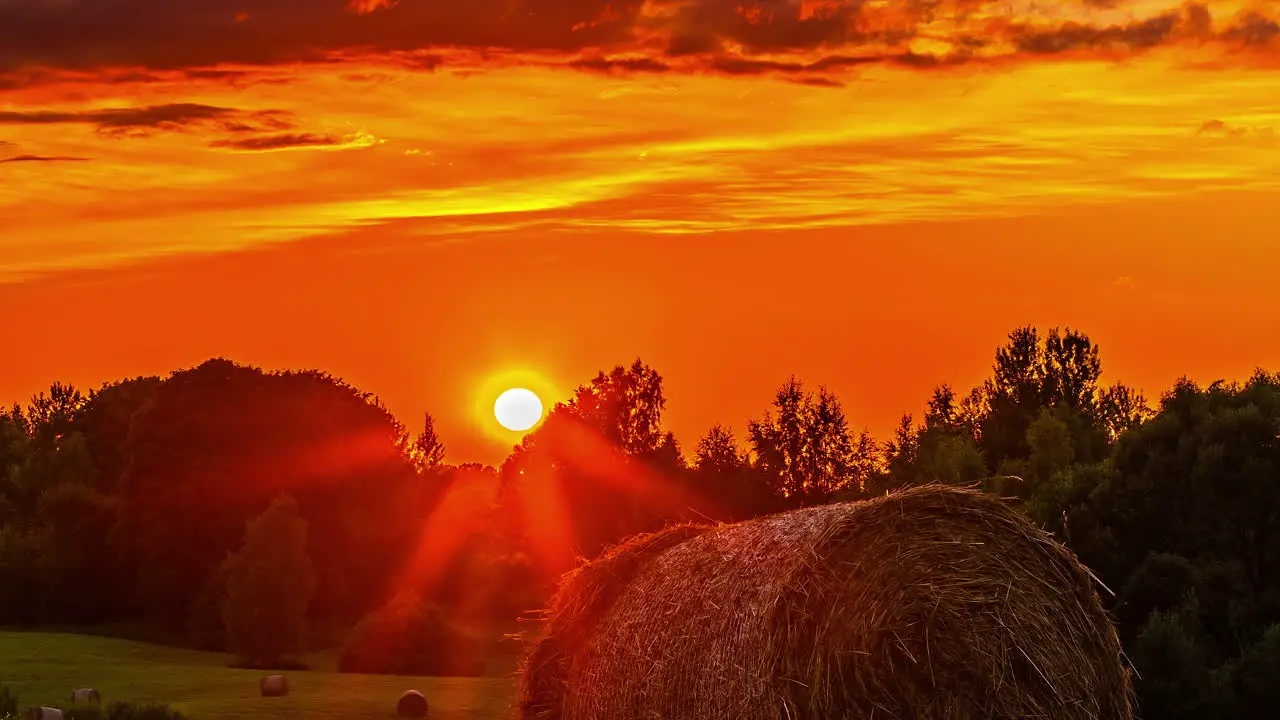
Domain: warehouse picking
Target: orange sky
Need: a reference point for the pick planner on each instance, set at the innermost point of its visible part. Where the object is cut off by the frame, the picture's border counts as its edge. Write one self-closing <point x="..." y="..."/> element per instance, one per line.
<point x="422" y="197"/>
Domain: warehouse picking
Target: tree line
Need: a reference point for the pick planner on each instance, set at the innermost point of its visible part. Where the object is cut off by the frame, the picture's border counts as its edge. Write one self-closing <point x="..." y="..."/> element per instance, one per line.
<point x="179" y="504"/>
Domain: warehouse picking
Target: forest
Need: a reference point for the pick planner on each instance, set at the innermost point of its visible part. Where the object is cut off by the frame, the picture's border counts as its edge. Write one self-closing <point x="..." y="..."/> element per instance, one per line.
<point x="269" y="512"/>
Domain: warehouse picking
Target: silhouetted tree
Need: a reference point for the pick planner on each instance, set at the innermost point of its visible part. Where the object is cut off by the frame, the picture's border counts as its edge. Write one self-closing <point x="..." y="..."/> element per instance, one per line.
<point x="718" y="451"/>
<point x="1122" y="408"/>
<point x="625" y="405"/>
<point x="81" y="570"/>
<point x="606" y="458"/>
<point x="216" y="443"/>
<point x="803" y="445"/>
<point x="52" y="413"/>
<point x="427" y="451"/>
<point x="1061" y="373"/>
<point x="1052" y="451"/>
<point x="270" y="583"/>
<point x="105" y="420"/>
<point x="726" y="487"/>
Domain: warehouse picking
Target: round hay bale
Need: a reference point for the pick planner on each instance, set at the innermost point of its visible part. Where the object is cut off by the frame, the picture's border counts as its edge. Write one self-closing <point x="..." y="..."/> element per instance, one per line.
<point x="411" y="704"/>
<point x="274" y="686"/>
<point x="44" y="713"/>
<point x="933" y="603"/>
<point x="88" y="696"/>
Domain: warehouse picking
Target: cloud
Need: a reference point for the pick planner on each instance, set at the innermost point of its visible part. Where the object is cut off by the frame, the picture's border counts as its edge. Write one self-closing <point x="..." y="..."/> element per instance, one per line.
<point x="1252" y="28"/>
<point x="297" y="141"/>
<point x="1219" y="128"/>
<point x="817" y="82"/>
<point x="1141" y="35"/>
<point x="630" y="65"/>
<point x="41" y="159"/>
<point x="140" y="120"/>
<point x="162" y="34"/>
<point x="615" y="36"/>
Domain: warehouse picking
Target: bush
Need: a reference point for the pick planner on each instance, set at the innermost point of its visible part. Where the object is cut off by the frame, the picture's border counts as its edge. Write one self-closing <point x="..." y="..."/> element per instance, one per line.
<point x="1257" y="676"/>
<point x="1174" y="682"/>
<point x="8" y="703"/>
<point x="407" y="638"/>
<point x="120" y="711"/>
<point x="142" y="711"/>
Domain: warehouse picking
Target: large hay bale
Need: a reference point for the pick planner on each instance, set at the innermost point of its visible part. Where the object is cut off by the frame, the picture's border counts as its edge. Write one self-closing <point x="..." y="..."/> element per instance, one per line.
<point x="88" y="696"/>
<point x="44" y="713"/>
<point x="932" y="603"/>
<point x="274" y="686"/>
<point x="411" y="704"/>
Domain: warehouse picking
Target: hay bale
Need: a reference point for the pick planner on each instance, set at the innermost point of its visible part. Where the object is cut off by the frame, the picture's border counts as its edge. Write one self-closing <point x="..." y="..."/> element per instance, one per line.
<point x="88" y="696"/>
<point x="44" y="713"/>
<point x="932" y="603"/>
<point x="411" y="704"/>
<point x="274" y="686"/>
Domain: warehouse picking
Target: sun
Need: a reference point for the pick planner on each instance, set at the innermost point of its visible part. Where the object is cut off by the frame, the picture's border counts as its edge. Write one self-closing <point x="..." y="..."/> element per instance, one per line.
<point x="517" y="409"/>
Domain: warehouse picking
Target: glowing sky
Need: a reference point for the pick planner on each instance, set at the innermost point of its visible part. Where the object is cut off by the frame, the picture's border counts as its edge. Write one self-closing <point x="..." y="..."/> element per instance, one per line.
<point x="417" y="195"/>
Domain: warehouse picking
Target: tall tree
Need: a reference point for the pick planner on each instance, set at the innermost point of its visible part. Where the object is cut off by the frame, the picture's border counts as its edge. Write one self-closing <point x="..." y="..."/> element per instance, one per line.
<point x="625" y="405"/>
<point x="427" y="451"/>
<point x="1060" y="372"/>
<point x="1070" y="371"/>
<point x="606" y="454"/>
<point x="727" y="488"/>
<point x="804" y="446"/>
<point x="270" y="583"/>
<point x="1049" y="438"/>
<point x="105" y="421"/>
<point x="718" y="451"/>
<point x="1122" y="408"/>
<point x="216" y="443"/>
<point x="52" y="413"/>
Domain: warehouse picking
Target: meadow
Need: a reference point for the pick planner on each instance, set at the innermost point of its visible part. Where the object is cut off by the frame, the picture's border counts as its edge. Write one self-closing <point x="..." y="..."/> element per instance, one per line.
<point x="43" y="668"/>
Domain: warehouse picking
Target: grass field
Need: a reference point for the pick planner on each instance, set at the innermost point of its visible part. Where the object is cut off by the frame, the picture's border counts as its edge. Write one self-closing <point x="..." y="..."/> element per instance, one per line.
<point x="43" y="669"/>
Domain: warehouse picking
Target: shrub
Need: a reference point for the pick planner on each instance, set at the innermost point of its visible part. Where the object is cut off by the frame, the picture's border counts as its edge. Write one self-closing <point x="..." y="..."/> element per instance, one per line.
<point x="142" y="711"/>
<point x="8" y="703"/>
<point x="1256" y="676"/>
<point x="407" y="638"/>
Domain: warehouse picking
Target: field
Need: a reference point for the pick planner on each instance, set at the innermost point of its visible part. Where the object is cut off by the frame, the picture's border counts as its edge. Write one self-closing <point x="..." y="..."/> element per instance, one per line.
<point x="43" y="668"/>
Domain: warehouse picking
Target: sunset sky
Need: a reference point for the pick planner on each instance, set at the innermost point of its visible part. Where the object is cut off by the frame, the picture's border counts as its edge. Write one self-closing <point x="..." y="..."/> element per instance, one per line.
<point x="435" y="198"/>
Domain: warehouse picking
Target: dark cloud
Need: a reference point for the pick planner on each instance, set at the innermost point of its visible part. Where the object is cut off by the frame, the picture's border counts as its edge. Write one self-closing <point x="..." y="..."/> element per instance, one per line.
<point x="41" y="159"/>
<point x="266" y="143"/>
<point x="1141" y="35"/>
<point x="817" y="82"/>
<point x="164" y="34"/>
<point x="746" y="66"/>
<point x="1223" y="129"/>
<point x="729" y="36"/>
<point x="772" y="25"/>
<point x="620" y="65"/>
<point x="1252" y="28"/>
<point x="139" y="120"/>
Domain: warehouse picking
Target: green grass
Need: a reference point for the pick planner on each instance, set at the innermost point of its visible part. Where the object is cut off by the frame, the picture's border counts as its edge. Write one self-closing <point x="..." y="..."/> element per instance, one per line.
<point x="43" y="668"/>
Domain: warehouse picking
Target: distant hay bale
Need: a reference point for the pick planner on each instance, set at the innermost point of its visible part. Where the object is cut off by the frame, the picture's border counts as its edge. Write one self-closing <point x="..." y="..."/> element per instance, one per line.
<point x="933" y="603"/>
<point x="87" y="696"/>
<point x="411" y="704"/>
<point x="44" y="713"/>
<point x="274" y="686"/>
